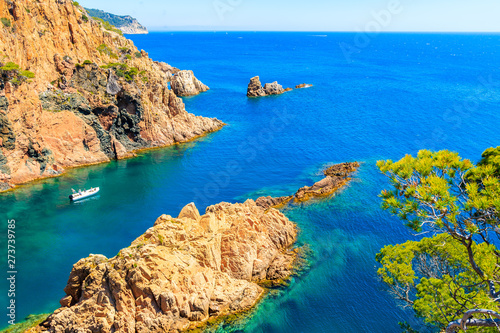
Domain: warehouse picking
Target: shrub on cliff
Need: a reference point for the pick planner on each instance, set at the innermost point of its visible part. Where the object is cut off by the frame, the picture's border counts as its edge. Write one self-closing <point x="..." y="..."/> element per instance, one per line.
<point x="6" y="22"/>
<point x="445" y="276"/>
<point x="106" y="25"/>
<point x="104" y="49"/>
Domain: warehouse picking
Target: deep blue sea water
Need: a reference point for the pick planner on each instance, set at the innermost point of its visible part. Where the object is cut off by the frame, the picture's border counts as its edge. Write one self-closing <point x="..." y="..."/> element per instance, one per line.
<point x="398" y="94"/>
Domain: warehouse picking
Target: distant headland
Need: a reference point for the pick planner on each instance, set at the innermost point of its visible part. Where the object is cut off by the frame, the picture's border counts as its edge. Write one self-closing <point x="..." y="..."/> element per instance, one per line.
<point x="127" y="24"/>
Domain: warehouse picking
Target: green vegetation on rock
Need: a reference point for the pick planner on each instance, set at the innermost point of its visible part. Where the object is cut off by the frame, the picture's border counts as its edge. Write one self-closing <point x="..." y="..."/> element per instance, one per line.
<point x="6" y="22"/>
<point x="29" y="322"/>
<point x="11" y="72"/>
<point x="123" y="70"/>
<point x="106" y="25"/>
<point x="456" y="269"/>
<point x="104" y="49"/>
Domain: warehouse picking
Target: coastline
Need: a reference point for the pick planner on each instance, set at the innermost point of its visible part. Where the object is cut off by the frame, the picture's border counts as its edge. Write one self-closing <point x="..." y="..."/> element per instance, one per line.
<point x="132" y="155"/>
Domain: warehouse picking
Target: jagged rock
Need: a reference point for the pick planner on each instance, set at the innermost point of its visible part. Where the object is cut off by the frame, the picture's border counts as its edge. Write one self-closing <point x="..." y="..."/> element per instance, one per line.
<point x="73" y="106"/>
<point x="184" y="83"/>
<point x="255" y="88"/>
<point x="273" y="88"/>
<point x="270" y="202"/>
<point x="7" y="135"/>
<point x="113" y="87"/>
<point x="336" y="177"/>
<point x="180" y="273"/>
<point x="167" y="69"/>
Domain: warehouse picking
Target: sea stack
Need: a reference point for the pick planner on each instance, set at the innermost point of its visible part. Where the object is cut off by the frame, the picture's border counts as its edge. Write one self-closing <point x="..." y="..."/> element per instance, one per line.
<point x="255" y="88"/>
<point x="182" y="272"/>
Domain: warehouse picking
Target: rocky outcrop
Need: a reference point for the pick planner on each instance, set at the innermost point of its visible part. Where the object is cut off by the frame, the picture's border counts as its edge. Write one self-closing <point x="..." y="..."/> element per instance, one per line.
<point x="255" y="88"/>
<point x="180" y="273"/>
<point x="336" y="177"/>
<point x="184" y="83"/>
<point x="127" y="24"/>
<point x="167" y="69"/>
<point x="270" y="202"/>
<point x="273" y="88"/>
<point x="80" y="91"/>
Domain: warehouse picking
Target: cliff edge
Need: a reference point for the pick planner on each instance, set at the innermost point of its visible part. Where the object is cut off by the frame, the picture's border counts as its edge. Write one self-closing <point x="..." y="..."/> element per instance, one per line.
<point x="74" y="92"/>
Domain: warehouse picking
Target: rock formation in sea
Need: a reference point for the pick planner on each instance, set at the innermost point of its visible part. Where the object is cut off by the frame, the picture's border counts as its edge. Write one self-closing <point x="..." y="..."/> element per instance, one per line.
<point x="127" y="24"/>
<point x="184" y="83"/>
<point x="74" y="93"/>
<point x="255" y="88"/>
<point x="336" y="177"/>
<point x="180" y="273"/>
<point x="303" y="85"/>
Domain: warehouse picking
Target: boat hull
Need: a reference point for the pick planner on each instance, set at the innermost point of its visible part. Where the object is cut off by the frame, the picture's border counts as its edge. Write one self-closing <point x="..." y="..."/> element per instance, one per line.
<point x="83" y="195"/>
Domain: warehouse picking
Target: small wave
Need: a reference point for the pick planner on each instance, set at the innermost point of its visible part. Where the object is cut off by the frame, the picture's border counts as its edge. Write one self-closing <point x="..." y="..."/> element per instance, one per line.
<point x="318" y="35"/>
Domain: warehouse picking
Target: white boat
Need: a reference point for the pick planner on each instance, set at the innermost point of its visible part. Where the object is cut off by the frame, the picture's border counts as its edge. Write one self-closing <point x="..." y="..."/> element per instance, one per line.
<point x="83" y="194"/>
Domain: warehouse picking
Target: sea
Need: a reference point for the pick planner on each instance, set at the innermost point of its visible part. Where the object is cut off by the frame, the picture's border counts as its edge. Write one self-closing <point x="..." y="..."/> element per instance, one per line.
<point x="374" y="97"/>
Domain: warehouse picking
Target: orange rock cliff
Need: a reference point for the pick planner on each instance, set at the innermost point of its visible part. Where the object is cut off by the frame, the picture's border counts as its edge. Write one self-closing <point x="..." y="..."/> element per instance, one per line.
<point x="73" y="93"/>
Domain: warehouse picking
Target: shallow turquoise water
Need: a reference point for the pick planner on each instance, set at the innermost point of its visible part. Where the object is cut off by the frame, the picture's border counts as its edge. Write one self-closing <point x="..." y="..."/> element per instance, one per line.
<point x="394" y="98"/>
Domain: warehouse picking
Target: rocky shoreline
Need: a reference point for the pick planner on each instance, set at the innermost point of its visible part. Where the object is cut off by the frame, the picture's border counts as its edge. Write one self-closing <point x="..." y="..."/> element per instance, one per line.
<point x="82" y="94"/>
<point x="182" y="272"/>
<point x="192" y="270"/>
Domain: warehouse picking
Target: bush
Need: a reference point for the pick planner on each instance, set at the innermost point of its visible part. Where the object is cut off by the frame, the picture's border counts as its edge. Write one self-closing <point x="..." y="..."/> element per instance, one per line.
<point x="10" y="67"/>
<point x="104" y="49"/>
<point x="27" y="74"/>
<point x="138" y="55"/>
<point x="85" y="18"/>
<point x="75" y="3"/>
<point x="87" y="62"/>
<point x="6" y="22"/>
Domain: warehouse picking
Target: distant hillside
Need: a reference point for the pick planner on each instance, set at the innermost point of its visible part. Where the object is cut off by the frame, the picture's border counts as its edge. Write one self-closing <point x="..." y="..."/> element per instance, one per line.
<point x="127" y="24"/>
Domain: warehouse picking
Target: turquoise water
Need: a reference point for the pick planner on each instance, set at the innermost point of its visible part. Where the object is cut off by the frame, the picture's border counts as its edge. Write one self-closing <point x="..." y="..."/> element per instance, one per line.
<point x="401" y="93"/>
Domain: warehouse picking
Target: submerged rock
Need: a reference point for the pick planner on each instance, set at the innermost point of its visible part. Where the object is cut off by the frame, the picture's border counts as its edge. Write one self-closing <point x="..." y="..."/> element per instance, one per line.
<point x="303" y="85"/>
<point x="180" y="273"/>
<point x="184" y="83"/>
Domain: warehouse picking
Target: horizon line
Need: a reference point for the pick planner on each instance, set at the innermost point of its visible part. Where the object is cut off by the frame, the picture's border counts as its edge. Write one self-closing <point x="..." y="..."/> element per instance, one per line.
<point x="326" y="31"/>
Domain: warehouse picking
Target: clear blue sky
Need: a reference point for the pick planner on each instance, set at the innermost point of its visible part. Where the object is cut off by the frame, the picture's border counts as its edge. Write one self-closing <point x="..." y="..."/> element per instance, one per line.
<point x="311" y="15"/>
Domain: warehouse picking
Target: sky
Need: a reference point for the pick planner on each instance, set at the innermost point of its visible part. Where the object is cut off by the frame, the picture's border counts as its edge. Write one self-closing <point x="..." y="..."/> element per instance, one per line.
<point x="310" y="15"/>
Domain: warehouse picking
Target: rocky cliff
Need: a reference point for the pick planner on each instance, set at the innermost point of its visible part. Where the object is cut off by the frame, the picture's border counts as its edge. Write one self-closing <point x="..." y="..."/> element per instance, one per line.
<point x="127" y="24"/>
<point x="180" y="273"/>
<point x="73" y="92"/>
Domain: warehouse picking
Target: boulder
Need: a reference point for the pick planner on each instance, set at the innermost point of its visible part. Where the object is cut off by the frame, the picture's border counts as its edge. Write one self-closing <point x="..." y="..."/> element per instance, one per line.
<point x="184" y="83"/>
